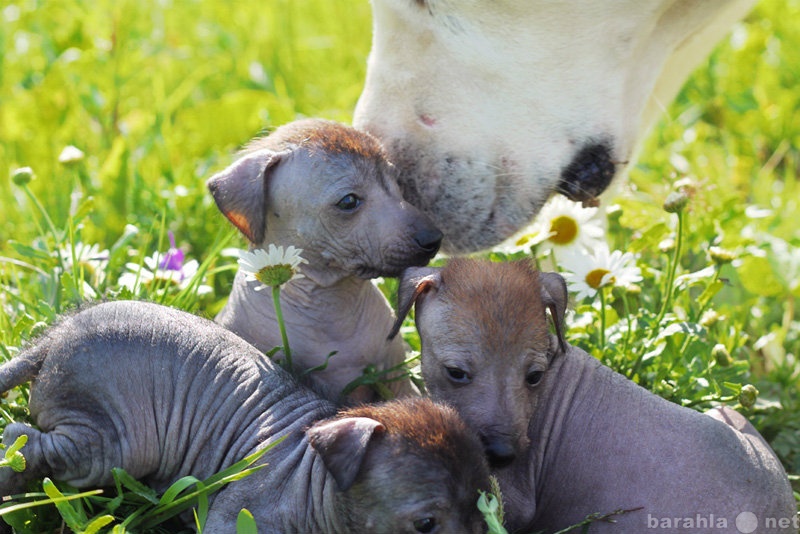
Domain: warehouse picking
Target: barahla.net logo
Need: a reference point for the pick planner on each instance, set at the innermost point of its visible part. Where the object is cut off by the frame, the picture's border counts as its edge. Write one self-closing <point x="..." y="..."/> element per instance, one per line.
<point x="745" y="522"/>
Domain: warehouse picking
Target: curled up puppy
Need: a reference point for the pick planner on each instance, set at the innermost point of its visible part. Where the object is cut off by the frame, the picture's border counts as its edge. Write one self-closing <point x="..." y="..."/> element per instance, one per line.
<point x="164" y="394"/>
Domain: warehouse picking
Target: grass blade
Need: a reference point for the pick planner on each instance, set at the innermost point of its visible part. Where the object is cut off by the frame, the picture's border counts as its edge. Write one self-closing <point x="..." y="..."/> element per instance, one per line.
<point x="245" y="523"/>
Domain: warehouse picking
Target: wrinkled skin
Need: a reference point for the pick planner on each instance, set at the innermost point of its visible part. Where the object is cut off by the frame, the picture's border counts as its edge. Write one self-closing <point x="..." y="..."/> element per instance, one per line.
<point x="566" y="436"/>
<point x="164" y="394"/>
<point x="488" y="108"/>
<point x="327" y="189"/>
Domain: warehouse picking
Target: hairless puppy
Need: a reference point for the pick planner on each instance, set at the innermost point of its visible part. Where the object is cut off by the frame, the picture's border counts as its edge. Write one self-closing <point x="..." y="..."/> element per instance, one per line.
<point x="164" y="394"/>
<point x="567" y="436"/>
<point x="329" y="190"/>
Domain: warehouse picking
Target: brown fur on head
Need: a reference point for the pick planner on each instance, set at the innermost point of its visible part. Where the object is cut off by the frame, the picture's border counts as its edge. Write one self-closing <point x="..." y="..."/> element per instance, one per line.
<point x="241" y="190"/>
<point x="502" y="302"/>
<point x="477" y="283"/>
<point x="424" y="425"/>
<point x="319" y="135"/>
<point x="485" y="342"/>
<point x="420" y="452"/>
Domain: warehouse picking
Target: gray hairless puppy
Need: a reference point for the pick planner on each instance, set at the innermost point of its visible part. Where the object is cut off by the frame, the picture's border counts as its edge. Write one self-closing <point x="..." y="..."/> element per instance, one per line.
<point x="329" y="190"/>
<point x="164" y="394"/>
<point x="567" y="436"/>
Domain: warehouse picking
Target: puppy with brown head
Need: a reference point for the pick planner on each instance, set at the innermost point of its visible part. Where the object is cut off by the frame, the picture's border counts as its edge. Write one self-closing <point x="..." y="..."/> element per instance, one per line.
<point x="328" y="189"/>
<point x="566" y="436"/>
<point x="436" y="448"/>
<point x="164" y="394"/>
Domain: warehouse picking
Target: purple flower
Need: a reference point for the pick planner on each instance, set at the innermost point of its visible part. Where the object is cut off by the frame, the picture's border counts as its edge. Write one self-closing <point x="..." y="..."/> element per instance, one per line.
<point x="173" y="259"/>
<point x="165" y="269"/>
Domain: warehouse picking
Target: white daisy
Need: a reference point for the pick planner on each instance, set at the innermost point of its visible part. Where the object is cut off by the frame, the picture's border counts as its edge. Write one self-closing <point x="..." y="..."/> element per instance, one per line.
<point x="562" y="225"/>
<point x="273" y="267"/>
<point x="167" y="269"/>
<point x="90" y="260"/>
<point x="601" y="268"/>
<point x="138" y="275"/>
<point x="89" y="257"/>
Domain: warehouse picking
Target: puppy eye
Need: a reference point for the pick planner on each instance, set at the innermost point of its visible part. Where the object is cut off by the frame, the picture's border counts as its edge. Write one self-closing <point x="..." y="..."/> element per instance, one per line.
<point x="458" y="375"/>
<point x="427" y="524"/>
<point x="348" y="202"/>
<point x="534" y="377"/>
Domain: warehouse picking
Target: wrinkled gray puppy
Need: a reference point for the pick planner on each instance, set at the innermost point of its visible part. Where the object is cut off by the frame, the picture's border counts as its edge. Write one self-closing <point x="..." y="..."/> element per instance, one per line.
<point x="164" y="394"/>
<point x="567" y="436"/>
<point x="328" y="189"/>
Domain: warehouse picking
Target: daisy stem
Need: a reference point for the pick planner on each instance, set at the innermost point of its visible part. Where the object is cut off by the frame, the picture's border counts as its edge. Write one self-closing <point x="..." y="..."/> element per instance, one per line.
<point x="629" y="321"/>
<point x="673" y="268"/>
<point x="602" y="293"/>
<point x="50" y="226"/>
<point x="705" y="305"/>
<point x="276" y="299"/>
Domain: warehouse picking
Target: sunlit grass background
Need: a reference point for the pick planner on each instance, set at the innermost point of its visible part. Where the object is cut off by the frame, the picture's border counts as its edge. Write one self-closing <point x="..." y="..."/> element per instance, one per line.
<point x="158" y="95"/>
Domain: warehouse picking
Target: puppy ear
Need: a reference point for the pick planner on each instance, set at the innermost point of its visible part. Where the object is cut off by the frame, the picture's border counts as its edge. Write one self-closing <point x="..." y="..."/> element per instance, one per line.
<point x="554" y="297"/>
<point x="240" y="192"/>
<point x="415" y="282"/>
<point x="342" y="444"/>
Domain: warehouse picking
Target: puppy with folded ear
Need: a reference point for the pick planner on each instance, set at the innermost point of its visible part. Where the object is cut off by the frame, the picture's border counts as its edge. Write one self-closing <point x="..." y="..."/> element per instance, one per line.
<point x="329" y="190"/>
<point x="566" y="436"/>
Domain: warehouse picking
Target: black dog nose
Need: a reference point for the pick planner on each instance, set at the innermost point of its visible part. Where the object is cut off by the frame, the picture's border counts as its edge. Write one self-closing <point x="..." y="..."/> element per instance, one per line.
<point x="429" y="240"/>
<point x="588" y="174"/>
<point x="500" y="453"/>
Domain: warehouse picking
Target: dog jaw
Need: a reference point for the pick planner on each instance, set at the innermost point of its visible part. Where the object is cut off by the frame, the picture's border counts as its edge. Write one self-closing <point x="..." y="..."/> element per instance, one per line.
<point x="489" y="108"/>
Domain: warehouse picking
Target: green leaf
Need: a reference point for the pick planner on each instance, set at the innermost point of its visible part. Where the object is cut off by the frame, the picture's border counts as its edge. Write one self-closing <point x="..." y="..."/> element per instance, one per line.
<point x="213" y="483"/>
<point x="245" y="523"/>
<point x="681" y="327"/>
<point x="27" y="251"/>
<point x="757" y="277"/>
<point x="708" y="293"/>
<point x="73" y="516"/>
<point x="97" y="523"/>
<point x="489" y="507"/>
<point x="10" y="508"/>
<point x="320" y="367"/>
<point x="698" y="277"/>
<point x="17" y="445"/>
<point x="83" y="209"/>
<point x="201" y="512"/>
<point x="122" y="478"/>
<point x="176" y="489"/>
<point x="16" y="462"/>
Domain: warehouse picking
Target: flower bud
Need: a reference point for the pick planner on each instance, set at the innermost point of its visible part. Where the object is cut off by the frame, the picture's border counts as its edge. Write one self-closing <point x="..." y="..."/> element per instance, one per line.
<point x="22" y="176"/>
<point x="721" y="355"/>
<point x="17" y="462"/>
<point x="666" y="244"/>
<point x="70" y="156"/>
<point x="709" y="318"/>
<point x="720" y="255"/>
<point x="675" y="202"/>
<point x="748" y="396"/>
<point x="632" y="289"/>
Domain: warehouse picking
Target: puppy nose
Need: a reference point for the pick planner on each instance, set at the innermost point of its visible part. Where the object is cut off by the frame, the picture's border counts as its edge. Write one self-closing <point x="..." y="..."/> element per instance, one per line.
<point x="429" y="240"/>
<point x="500" y="453"/>
<point x="588" y="174"/>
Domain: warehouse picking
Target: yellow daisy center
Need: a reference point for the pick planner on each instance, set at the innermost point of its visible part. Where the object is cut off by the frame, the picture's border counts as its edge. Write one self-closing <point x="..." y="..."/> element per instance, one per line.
<point x="564" y="230"/>
<point x="275" y="275"/>
<point x="594" y="278"/>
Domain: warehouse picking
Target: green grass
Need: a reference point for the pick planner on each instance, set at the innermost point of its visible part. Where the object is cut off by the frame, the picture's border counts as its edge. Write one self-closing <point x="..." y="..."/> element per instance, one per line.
<point x="158" y="96"/>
